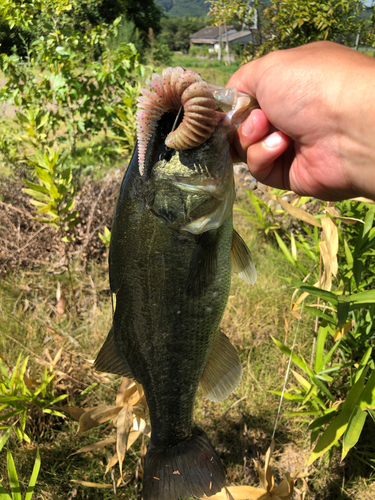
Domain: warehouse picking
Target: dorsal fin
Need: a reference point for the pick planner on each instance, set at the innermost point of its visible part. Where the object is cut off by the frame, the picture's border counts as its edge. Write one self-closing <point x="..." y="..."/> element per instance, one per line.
<point x="223" y="371"/>
<point x="110" y="360"/>
<point x="242" y="262"/>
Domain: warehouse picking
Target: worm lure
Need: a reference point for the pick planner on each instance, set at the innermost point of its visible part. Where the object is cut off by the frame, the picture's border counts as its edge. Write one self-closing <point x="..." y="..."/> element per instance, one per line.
<point x="175" y="88"/>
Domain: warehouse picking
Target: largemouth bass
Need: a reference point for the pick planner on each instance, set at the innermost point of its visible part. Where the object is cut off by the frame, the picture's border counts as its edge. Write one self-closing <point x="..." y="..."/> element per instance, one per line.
<point x="173" y="250"/>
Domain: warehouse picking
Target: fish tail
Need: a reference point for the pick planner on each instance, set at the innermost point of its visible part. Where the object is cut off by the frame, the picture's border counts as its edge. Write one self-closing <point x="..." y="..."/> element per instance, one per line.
<point x="190" y="467"/>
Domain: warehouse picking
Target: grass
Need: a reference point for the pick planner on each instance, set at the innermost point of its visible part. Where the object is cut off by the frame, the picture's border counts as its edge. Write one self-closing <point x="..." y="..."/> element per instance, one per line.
<point x="240" y="427"/>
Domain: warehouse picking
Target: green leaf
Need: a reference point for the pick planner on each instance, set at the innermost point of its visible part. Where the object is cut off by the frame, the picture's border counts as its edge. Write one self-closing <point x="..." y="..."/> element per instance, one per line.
<point x="287" y="395"/>
<point x="37" y="195"/>
<point x="363" y="364"/>
<point x="3" y="494"/>
<point x="348" y="254"/>
<point x="316" y="311"/>
<point x="340" y="423"/>
<point x="320" y="385"/>
<point x="5" y="437"/>
<point x="357" y="272"/>
<point x="329" y="355"/>
<point x="318" y="292"/>
<point x="319" y="348"/>
<point x="284" y="249"/>
<point x="361" y="298"/>
<point x="353" y="431"/>
<point x="367" y="397"/>
<point x="13" y="478"/>
<point x="34" y="186"/>
<point x="319" y="422"/>
<point x="342" y="313"/>
<point x="285" y="350"/>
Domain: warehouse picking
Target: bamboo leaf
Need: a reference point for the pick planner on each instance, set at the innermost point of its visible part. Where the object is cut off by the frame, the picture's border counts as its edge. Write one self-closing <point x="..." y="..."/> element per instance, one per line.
<point x="340" y="423"/>
<point x="97" y="416"/>
<point x="5" y="437"/>
<point x="95" y="446"/>
<point x="367" y="398"/>
<point x="124" y="423"/>
<point x="298" y="213"/>
<point x="352" y="433"/>
<point x="285" y="350"/>
<point x="93" y="485"/>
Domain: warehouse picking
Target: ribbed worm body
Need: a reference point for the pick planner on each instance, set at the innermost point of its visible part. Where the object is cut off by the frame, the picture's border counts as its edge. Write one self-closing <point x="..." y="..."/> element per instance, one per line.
<point x="175" y="88"/>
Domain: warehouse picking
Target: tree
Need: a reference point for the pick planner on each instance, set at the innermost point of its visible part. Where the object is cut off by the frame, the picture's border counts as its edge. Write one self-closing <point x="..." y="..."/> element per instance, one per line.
<point x="82" y="16"/>
<point x="289" y="23"/>
<point x="176" y="31"/>
<point x="296" y="22"/>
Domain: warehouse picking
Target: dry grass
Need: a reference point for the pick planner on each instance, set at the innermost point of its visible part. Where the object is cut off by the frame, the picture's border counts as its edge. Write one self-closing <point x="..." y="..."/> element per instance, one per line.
<point x="33" y="321"/>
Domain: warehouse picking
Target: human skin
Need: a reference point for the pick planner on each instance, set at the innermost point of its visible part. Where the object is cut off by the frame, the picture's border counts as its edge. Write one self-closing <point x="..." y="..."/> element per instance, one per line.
<point x="315" y="131"/>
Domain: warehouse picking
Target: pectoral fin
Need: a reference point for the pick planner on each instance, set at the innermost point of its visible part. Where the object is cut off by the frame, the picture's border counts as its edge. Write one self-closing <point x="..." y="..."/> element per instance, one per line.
<point x="223" y="371"/>
<point x="242" y="262"/>
<point x="203" y="263"/>
<point x="110" y="360"/>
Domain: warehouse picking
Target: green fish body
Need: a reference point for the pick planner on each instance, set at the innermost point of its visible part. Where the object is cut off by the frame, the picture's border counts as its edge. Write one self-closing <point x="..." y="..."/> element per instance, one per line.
<point x="173" y="250"/>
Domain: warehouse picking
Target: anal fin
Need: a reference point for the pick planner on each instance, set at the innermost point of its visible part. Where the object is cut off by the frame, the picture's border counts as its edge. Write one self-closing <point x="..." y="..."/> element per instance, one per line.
<point x="242" y="262"/>
<point x="223" y="371"/>
<point x="110" y="360"/>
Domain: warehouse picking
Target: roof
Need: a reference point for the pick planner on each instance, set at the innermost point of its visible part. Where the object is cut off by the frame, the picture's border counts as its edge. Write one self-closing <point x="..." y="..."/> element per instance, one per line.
<point x="209" y="32"/>
<point x="239" y="34"/>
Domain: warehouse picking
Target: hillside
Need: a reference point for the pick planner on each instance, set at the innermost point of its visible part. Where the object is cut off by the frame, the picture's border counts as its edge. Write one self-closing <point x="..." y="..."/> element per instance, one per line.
<point x="180" y="8"/>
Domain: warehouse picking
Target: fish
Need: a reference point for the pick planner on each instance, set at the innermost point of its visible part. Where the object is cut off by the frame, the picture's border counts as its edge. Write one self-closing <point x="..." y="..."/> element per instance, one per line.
<point x="172" y="252"/>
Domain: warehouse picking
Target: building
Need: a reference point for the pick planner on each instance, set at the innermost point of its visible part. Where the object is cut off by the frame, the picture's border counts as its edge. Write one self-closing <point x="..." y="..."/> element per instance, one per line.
<point x="210" y="36"/>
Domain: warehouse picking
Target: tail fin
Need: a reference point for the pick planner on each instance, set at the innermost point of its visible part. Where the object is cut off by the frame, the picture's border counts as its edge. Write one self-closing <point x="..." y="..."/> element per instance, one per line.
<point x="191" y="467"/>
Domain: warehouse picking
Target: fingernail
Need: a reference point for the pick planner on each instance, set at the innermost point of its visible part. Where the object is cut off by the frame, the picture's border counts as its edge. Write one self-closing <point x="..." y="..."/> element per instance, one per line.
<point x="247" y="127"/>
<point x="272" y="141"/>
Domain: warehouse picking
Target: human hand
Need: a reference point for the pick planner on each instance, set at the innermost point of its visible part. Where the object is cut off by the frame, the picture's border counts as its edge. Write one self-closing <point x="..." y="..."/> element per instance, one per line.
<point x="315" y="131"/>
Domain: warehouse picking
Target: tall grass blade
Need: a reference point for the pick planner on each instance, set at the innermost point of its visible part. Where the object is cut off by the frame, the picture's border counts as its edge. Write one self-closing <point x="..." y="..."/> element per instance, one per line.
<point x="34" y="477"/>
<point x="13" y="478"/>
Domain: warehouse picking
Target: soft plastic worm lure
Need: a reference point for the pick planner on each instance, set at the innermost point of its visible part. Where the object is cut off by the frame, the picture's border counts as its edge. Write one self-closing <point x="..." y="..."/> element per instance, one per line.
<point x="175" y="88"/>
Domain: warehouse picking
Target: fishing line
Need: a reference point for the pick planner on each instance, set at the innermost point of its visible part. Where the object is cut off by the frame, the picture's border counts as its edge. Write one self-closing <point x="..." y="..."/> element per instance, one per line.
<point x="177" y="117"/>
<point x="287" y="373"/>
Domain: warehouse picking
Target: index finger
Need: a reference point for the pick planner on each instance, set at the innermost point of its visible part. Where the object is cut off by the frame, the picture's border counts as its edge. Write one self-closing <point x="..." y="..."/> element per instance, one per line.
<point x="246" y="78"/>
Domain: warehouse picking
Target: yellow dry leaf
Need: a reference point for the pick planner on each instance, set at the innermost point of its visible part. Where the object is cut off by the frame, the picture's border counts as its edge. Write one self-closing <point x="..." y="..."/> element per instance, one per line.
<point x="124" y="423"/>
<point x="364" y="200"/>
<point x="339" y="334"/>
<point x="75" y="413"/>
<point x="331" y="237"/>
<point x="284" y="490"/>
<point x="92" y="485"/>
<point x="129" y="392"/>
<point x="327" y="274"/>
<point x="95" y="446"/>
<point x="298" y="213"/>
<point x="97" y="416"/>
<point x="126" y="389"/>
<point x="348" y="220"/>
<point x="112" y="462"/>
<point x="56" y="359"/>
<point x="241" y="493"/>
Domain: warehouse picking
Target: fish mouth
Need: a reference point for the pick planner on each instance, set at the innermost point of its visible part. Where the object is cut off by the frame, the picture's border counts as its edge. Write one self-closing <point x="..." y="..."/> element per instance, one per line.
<point x="205" y="106"/>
